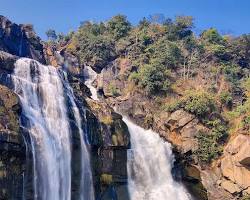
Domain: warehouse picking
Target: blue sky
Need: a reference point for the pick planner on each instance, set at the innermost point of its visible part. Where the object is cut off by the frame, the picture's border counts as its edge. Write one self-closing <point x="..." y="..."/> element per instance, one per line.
<point x="228" y="16"/>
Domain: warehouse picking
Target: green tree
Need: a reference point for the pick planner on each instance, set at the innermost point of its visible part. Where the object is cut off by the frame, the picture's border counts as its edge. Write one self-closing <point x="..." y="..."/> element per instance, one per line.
<point x="241" y="50"/>
<point x="118" y="26"/>
<point x="212" y="36"/>
<point x="215" y="44"/>
<point x="184" y="24"/>
<point x="153" y="78"/>
<point x="51" y="34"/>
<point x="165" y="52"/>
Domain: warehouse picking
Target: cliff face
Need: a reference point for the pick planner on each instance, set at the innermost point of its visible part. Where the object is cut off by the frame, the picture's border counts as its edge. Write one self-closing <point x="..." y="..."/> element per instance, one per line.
<point x="20" y="40"/>
<point x="12" y="146"/>
<point x="225" y="178"/>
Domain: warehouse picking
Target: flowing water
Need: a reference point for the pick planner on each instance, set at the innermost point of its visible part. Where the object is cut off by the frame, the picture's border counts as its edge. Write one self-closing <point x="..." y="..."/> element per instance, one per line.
<point x="42" y="94"/>
<point x="90" y="76"/>
<point x="150" y="162"/>
<point x="86" y="187"/>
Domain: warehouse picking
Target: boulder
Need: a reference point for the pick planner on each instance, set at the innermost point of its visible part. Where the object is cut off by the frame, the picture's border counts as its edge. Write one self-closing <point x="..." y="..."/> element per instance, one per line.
<point x="210" y="179"/>
<point x="230" y="187"/>
<point x="179" y="119"/>
<point x="7" y="61"/>
<point x="235" y="163"/>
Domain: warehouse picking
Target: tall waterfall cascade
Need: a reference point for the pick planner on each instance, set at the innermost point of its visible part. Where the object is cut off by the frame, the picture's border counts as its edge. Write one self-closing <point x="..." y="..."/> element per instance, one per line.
<point x="150" y="162"/>
<point x="42" y="92"/>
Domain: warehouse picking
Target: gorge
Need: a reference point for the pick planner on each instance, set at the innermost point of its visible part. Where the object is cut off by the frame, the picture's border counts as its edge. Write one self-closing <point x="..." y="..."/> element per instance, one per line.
<point x="121" y="112"/>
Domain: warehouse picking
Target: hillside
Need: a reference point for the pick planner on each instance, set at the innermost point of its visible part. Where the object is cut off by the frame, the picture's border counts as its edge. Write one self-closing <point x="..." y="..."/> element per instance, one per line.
<point x="193" y="90"/>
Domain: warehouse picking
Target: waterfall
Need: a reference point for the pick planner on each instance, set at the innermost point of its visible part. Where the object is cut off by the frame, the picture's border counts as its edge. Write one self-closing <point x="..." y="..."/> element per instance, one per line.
<point x="90" y="75"/>
<point x="86" y="186"/>
<point x="150" y="162"/>
<point x="44" y="113"/>
<point x="149" y="166"/>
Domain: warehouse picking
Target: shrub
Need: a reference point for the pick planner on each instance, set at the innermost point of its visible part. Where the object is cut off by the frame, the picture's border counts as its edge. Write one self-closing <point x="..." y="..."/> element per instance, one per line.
<point x="210" y="144"/>
<point x="113" y="90"/>
<point x="173" y="106"/>
<point x="232" y="73"/>
<point x="153" y="78"/>
<point x="199" y="102"/>
<point x="208" y="148"/>
<point x="246" y="121"/>
<point x="226" y="99"/>
<point x="134" y="77"/>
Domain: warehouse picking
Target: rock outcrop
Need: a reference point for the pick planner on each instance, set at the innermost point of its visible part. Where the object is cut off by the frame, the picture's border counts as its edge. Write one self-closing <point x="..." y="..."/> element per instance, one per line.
<point x="12" y="147"/>
<point x="20" y="40"/>
<point x="235" y="165"/>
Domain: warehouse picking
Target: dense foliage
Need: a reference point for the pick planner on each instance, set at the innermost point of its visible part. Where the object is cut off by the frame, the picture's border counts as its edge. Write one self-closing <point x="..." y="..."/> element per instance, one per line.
<point x="198" y="102"/>
<point x="210" y="143"/>
<point x="204" y="74"/>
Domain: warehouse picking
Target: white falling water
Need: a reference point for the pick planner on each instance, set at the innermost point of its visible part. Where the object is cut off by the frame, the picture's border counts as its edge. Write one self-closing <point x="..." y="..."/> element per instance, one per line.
<point x="90" y="75"/>
<point x="150" y="162"/>
<point x="86" y="187"/>
<point x="41" y="92"/>
<point x="149" y="165"/>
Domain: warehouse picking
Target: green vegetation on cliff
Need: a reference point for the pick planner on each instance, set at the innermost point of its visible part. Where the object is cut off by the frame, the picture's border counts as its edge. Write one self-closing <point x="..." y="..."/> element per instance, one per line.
<point x="164" y="61"/>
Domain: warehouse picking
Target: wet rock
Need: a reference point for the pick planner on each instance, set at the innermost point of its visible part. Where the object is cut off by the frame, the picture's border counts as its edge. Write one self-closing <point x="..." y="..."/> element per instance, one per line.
<point x="192" y="180"/>
<point x="116" y="133"/>
<point x="12" y="147"/>
<point x="7" y="61"/>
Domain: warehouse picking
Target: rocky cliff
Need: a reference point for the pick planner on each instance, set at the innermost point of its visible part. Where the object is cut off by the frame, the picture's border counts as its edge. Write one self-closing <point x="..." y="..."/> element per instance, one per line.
<point x="20" y="40"/>
<point x="225" y="178"/>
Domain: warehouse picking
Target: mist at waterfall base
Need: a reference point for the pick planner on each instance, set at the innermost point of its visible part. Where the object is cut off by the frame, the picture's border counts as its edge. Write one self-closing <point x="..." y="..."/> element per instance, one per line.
<point x="150" y="161"/>
<point x="43" y="91"/>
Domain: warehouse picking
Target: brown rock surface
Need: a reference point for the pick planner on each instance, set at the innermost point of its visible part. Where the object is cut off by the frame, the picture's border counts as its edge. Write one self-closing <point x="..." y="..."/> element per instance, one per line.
<point x="230" y="187"/>
<point x="234" y="164"/>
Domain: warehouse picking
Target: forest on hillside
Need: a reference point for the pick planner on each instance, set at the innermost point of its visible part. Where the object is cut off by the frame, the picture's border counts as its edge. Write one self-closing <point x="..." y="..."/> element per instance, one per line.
<point x="206" y="74"/>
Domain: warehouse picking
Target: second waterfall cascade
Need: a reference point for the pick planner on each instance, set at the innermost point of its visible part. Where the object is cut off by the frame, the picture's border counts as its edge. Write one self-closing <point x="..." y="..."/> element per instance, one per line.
<point x="43" y="91"/>
<point x="150" y="161"/>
